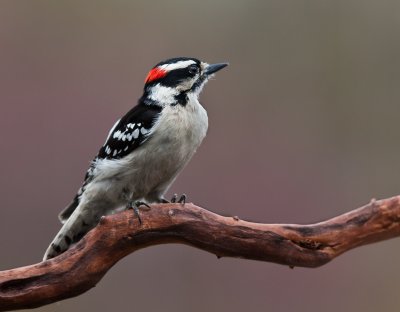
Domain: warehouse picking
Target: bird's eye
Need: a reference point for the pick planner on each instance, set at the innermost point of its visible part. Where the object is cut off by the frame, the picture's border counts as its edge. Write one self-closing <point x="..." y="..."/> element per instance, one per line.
<point x="193" y="69"/>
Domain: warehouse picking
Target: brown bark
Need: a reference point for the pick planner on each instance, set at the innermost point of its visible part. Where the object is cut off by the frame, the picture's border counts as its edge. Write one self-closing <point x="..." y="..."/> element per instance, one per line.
<point x="116" y="236"/>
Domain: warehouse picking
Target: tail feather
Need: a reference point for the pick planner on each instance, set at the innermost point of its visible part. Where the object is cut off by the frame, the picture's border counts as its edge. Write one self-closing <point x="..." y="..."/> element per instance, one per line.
<point x="67" y="212"/>
<point x="71" y="232"/>
<point x="84" y="218"/>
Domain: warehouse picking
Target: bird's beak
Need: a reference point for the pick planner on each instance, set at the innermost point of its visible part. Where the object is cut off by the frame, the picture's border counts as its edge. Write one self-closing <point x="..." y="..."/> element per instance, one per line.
<point x="213" y="68"/>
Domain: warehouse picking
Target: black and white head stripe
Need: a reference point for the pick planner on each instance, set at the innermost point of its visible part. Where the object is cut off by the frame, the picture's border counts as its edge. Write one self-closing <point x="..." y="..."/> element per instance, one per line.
<point x="177" y="63"/>
<point x="172" y="72"/>
<point x="130" y="131"/>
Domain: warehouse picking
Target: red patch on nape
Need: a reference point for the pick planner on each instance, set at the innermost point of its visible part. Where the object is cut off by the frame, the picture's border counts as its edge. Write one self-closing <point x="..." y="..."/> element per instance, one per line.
<point x="154" y="74"/>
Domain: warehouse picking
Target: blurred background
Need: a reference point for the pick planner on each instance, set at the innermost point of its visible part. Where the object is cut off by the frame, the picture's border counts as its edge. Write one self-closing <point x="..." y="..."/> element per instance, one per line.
<point x="304" y="125"/>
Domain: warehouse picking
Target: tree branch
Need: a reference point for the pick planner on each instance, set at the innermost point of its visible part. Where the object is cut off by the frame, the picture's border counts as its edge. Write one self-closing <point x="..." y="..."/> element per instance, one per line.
<point x="116" y="236"/>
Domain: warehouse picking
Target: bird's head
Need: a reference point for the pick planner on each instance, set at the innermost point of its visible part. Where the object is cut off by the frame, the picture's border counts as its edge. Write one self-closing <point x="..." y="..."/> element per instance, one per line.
<point x="173" y="81"/>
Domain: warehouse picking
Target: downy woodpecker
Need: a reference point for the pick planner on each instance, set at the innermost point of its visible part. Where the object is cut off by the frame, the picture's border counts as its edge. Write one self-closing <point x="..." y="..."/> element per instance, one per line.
<point x="145" y="150"/>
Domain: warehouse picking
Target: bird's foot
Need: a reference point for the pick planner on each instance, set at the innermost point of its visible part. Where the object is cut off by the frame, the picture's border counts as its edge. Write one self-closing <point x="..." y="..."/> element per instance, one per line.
<point x="181" y="200"/>
<point x="135" y="205"/>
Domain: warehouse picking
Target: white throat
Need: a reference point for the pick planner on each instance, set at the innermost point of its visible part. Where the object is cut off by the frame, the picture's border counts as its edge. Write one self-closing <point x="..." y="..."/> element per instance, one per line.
<point x="163" y="95"/>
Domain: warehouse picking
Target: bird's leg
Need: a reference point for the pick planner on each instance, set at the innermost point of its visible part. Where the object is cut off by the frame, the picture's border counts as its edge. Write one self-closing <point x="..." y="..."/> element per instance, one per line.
<point x="174" y="198"/>
<point x="135" y="205"/>
<point x="181" y="200"/>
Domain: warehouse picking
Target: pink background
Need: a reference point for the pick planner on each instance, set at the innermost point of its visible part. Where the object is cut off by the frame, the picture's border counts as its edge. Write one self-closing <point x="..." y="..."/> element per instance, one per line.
<point x="304" y="125"/>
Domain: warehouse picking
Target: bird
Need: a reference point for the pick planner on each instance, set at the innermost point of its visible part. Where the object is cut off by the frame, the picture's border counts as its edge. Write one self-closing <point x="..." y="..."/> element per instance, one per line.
<point x="144" y="151"/>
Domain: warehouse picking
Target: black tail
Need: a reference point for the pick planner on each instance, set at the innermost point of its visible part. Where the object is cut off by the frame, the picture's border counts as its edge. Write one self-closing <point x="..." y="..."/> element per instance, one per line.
<point x="67" y="212"/>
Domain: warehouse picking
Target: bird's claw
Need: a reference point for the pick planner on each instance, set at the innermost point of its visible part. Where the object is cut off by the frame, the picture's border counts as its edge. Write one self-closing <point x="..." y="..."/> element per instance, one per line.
<point x="174" y="198"/>
<point x="181" y="200"/>
<point x="135" y="206"/>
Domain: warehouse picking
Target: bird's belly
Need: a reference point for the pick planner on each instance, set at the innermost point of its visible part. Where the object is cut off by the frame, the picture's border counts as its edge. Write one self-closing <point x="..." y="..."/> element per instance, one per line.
<point x="167" y="151"/>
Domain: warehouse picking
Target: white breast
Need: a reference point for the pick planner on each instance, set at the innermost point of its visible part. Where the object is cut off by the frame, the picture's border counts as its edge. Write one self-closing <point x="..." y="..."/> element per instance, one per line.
<point x="184" y="127"/>
<point x="176" y="135"/>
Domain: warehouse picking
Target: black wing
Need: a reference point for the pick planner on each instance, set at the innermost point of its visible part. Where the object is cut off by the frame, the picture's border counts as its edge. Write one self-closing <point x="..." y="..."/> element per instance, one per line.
<point x="129" y="132"/>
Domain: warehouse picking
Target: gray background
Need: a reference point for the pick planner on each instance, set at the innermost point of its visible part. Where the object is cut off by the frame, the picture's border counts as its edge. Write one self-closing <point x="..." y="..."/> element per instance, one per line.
<point x="304" y="125"/>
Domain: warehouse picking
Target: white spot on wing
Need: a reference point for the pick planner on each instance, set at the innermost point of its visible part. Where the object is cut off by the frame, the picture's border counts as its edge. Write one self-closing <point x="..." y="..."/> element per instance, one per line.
<point x="135" y="133"/>
<point x="144" y="130"/>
